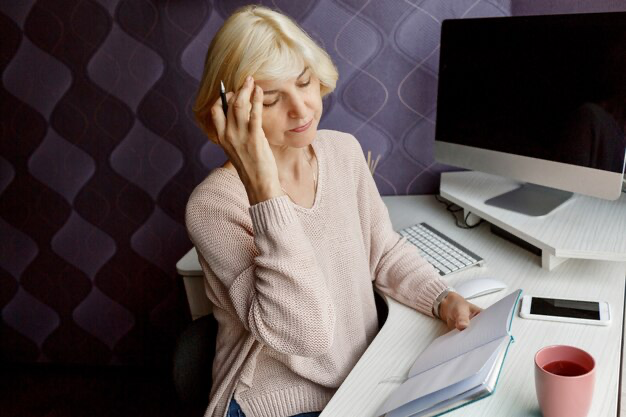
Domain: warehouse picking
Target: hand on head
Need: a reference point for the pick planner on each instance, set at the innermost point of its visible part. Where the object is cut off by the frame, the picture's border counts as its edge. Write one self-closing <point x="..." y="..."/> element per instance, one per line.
<point x="243" y="123"/>
<point x="457" y="312"/>
<point x="240" y="134"/>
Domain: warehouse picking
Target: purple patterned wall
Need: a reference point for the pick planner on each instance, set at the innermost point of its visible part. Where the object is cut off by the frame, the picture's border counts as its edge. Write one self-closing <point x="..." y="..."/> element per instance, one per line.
<point x="98" y="151"/>
<point x="98" y="156"/>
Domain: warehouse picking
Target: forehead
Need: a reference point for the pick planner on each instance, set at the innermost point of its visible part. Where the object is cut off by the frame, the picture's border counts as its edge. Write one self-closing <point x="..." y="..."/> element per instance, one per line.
<point x="275" y="83"/>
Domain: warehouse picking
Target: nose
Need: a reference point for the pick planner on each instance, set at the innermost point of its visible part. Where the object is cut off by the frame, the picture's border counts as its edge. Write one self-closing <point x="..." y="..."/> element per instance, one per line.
<point x="297" y="107"/>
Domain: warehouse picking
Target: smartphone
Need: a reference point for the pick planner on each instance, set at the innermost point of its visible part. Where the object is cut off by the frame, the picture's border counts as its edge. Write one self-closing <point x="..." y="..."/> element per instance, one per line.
<point x="570" y="311"/>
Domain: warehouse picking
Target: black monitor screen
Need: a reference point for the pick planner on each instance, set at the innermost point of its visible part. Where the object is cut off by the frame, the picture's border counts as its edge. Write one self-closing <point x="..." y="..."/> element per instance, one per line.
<point x="548" y="87"/>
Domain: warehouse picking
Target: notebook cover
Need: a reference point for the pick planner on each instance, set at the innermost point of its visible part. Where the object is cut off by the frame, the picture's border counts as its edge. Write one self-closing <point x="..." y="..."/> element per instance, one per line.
<point x="499" y="372"/>
<point x="434" y="412"/>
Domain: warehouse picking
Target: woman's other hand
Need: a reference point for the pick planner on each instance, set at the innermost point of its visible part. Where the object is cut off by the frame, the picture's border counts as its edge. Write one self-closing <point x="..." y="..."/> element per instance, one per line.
<point x="241" y="135"/>
<point x="456" y="311"/>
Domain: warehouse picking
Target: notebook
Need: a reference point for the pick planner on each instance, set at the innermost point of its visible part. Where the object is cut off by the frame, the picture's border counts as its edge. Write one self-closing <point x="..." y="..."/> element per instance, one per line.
<point x="458" y="367"/>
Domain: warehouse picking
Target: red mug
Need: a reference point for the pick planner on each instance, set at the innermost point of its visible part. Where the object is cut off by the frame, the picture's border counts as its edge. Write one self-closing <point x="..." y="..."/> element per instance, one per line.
<point x="564" y="381"/>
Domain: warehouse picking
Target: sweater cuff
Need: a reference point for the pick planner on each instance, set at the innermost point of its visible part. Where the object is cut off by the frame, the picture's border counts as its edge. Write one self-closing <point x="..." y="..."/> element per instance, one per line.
<point x="271" y="214"/>
<point x="427" y="298"/>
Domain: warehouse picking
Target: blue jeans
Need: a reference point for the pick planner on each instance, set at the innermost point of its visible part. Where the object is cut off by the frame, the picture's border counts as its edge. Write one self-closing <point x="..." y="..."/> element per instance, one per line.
<point x="234" y="410"/>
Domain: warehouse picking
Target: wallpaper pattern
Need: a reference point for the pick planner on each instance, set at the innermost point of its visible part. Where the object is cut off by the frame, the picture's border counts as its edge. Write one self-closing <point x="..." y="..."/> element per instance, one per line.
<point x="99" y="152"/>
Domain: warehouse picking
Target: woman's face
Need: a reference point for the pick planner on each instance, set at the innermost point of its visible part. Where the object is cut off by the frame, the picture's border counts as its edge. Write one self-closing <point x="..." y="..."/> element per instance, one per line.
<point x="291" y="104"/>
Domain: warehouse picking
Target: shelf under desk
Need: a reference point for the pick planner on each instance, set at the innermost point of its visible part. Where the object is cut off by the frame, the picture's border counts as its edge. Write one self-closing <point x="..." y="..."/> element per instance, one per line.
<point x="406" y="332"/>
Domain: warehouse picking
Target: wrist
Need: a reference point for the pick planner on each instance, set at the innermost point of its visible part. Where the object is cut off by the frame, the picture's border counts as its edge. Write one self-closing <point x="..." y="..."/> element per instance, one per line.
<point x="441" y="299"/>
<point x="259" y="197"/>
<point x="444" y="307"/>
<point x="262" y="190"/>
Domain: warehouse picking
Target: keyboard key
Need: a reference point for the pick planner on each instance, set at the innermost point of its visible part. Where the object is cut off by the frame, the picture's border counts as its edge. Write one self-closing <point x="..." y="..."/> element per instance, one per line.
<point x="443" y="253"/>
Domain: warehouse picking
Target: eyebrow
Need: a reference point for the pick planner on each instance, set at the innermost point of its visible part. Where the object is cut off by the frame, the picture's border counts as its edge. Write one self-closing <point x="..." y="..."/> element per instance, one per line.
<point x="276" y="91"/>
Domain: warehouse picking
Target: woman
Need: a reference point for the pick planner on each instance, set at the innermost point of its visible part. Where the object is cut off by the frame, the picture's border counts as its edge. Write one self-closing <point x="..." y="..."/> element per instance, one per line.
<point x="291" y="232"/>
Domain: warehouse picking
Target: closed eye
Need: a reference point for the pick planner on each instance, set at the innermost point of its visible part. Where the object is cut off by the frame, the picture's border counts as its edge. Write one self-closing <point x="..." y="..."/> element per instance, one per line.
<point x="303" y="85"/>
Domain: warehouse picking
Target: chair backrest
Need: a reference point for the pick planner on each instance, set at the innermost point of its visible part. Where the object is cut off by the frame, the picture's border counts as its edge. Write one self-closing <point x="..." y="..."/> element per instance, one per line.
<point x="193" y="361"/>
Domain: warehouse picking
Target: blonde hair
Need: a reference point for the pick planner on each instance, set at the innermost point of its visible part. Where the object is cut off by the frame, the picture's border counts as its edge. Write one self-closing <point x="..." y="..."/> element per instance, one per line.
<point x="258" y="41"/>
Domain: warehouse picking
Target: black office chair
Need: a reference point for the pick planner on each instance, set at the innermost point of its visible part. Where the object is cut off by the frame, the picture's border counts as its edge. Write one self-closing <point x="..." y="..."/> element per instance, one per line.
<point x="381" y="309"/>
<point x="193" y="360"/>
<point x="195" y="350"/>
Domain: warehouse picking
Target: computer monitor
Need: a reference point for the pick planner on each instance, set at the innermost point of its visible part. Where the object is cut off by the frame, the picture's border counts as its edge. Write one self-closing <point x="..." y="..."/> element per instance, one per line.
<point x="539" y="99"/>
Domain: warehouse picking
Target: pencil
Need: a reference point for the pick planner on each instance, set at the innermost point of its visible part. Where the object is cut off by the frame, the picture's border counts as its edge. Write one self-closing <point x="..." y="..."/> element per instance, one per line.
<point x="223" y="96"/>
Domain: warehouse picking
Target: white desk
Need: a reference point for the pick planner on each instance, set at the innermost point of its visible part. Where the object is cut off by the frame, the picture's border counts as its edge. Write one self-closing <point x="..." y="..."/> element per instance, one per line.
<point x="406" y="333"/>
<point x="189" y="268"/>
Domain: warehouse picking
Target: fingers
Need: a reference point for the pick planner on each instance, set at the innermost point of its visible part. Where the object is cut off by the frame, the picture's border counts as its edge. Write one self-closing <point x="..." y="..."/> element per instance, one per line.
<point x="465" y="313"/>
<point x="474" y="310"/>
<point x="256" y="115"/>
<point x="241" y="104"/>
<point x="219" y="118"/>
<point x="231" y="119"/>
<point x="451" y="322"/>
<point x="245" y="113"/>
<point x="463" y="318"/>
<point x="461" y="315"/>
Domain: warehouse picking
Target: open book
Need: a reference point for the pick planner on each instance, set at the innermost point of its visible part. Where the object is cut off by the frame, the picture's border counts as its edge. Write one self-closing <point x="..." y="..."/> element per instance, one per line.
<point x="457" y="368"/>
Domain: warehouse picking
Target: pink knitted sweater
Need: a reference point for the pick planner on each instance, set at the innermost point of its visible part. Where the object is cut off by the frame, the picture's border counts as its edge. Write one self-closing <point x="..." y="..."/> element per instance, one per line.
<point x="292" y="286"/>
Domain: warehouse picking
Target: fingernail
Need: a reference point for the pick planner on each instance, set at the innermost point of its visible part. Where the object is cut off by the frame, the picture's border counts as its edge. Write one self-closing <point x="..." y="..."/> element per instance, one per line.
<point x="248" y="79"/>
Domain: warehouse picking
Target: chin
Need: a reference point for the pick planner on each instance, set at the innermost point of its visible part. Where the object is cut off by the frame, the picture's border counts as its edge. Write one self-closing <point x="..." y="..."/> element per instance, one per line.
<point x="301" y="141"/>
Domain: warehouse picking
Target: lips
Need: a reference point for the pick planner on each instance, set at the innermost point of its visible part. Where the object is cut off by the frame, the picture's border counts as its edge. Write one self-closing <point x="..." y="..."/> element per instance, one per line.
<point x="302" y="128"/>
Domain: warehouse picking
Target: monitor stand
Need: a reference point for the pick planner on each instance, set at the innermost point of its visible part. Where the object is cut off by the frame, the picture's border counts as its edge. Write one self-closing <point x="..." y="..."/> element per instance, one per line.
<point x="585" y="227"/>
<point x="530" y="199"/>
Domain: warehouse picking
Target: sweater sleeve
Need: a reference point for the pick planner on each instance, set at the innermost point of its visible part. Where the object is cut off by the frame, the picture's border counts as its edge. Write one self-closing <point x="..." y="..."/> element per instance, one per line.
<point x="396" y="265"/>
<point x="269" y="274"/>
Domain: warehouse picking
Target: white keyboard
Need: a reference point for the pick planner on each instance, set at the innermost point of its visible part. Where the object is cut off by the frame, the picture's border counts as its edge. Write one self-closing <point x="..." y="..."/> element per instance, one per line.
<point x="446" y="255"/>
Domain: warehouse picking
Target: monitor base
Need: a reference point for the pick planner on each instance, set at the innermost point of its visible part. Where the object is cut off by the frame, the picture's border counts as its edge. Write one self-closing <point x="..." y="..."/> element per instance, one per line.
<point x="530" y="199"/>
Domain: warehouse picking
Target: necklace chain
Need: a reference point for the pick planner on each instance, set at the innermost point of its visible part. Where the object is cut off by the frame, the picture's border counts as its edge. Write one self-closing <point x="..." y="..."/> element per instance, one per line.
<point x="314" y="179"/>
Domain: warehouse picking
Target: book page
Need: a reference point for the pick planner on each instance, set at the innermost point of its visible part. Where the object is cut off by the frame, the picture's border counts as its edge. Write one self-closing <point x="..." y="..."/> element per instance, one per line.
<point x="491" y="324"/>
<point x="481" y="391"/>
<point x="445" y="381"/>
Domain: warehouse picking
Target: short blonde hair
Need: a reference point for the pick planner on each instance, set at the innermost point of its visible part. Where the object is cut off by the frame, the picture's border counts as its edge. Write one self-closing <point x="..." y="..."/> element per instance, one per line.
<point x="258" y="41"/>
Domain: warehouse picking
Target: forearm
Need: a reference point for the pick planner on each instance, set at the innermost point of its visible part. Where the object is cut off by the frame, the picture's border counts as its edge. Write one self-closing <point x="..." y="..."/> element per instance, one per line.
<point x="264" y="271"/>
<point x="291" y="308"/>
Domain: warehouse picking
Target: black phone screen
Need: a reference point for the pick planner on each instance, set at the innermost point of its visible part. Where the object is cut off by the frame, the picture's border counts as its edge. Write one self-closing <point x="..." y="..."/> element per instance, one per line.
<point x="565" y="308"/>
